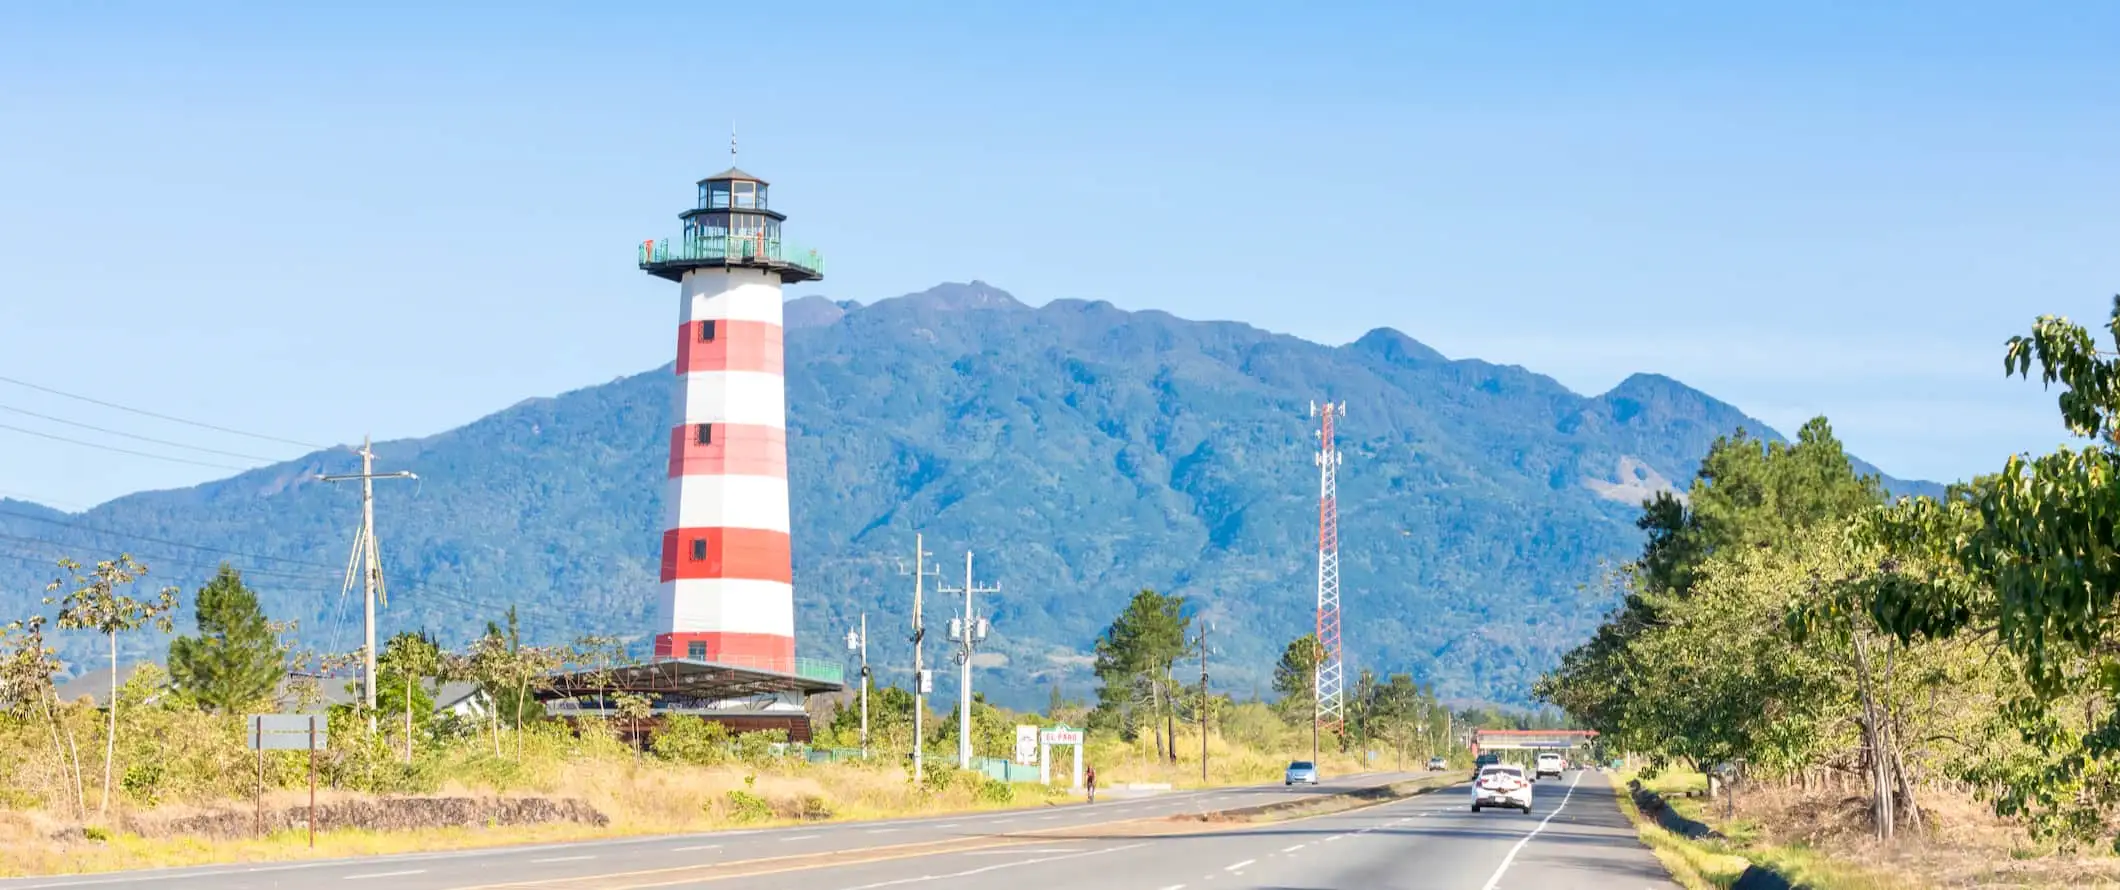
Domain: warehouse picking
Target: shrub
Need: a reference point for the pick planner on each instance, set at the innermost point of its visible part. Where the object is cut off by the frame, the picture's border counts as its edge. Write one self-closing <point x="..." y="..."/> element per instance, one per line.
<point x="685" y="738"/>
<point x="743" y="806"/>
<point x="761" y="747"/>
<point x="815" y="807"/>
<point x="993" y="791"/>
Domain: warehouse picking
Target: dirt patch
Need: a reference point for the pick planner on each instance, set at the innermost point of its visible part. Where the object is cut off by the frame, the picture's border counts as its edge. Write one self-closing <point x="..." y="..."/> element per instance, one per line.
<point x="372" y="814"/>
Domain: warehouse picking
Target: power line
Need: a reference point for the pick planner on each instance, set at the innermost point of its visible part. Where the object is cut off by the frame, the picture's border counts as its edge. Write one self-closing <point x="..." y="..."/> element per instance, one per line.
<point x="146" y="413"/>
<point x="116" y="534"/>
<point x="181" y="460"/>
<point x="152" y="559"/>
<point x="85" y="426"/>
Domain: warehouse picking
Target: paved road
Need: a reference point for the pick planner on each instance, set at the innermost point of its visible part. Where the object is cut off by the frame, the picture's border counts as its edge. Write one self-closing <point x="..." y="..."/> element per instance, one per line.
<point x="601" y="861"/>
<point x="1575" y="838"/>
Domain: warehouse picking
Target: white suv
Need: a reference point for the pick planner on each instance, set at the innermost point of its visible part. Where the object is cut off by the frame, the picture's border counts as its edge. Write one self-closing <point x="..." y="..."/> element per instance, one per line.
<point x="1549" y="764"/>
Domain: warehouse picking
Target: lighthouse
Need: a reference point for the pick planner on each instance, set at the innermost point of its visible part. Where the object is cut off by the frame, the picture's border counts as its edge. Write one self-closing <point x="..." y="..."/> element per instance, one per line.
<point x="727" y="594"/>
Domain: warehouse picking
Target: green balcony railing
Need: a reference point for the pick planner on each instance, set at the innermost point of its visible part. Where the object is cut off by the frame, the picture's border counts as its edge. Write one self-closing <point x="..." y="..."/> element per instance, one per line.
<point x="725" y="248"/>
<point x="807" y="668"/>
<point x="819" y="669"/>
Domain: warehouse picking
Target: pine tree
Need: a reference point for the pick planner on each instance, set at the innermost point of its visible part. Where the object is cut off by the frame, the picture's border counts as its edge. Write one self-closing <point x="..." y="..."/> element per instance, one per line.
<point x="236" y="661"/>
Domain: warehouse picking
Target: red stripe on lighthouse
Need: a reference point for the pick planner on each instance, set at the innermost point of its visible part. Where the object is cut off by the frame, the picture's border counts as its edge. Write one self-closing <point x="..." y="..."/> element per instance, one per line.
<point x="732" y="449"/>
<point x="736" y="346"/>
<point x="743" y="553"/>
<point x="768" y="651"/>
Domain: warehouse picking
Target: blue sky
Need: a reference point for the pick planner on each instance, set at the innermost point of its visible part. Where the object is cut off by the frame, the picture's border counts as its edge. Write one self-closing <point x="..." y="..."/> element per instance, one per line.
<point x="315" y="223"/>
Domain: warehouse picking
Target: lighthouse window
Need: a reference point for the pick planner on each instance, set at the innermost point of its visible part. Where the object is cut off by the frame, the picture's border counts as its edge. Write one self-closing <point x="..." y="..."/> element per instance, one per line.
<point x="746" y="194"/>
<point x="703" y="433"/>
<point x="706" y="332"/>
<point x="696" y="651"/>
<point x="717" y="195"/>
<point x="699" y="550"/>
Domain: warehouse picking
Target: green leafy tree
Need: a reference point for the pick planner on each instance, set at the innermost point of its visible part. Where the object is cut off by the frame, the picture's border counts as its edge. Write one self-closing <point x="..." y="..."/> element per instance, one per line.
<point x="1137" y="654"/>
<point x="237" y="660"/>
<point x="2031" y="552"/>
<point x="409" y="662"/>
<point x="1295" y="679"/>
<point x="96" y="603"/>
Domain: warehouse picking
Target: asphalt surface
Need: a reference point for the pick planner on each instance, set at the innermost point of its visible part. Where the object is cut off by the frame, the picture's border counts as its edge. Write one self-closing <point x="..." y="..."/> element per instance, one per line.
<point x="1575" y="837"/>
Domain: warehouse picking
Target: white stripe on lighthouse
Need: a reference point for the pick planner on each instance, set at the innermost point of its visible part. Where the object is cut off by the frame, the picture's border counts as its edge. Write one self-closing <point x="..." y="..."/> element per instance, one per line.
<point x="727" y="605"/>
<point x="732" y="297"/>
<point x="732" y="397"/>
<point x="719" y="501"/>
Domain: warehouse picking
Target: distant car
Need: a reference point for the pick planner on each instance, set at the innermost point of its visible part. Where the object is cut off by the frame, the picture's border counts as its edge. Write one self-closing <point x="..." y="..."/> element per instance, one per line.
<point x="1437" y="764"/>
<point x="1483" y="761"/>
<point x="1549" y="764"/>
<point x="1301" y="771"/>
<point x="1501" y="785"/>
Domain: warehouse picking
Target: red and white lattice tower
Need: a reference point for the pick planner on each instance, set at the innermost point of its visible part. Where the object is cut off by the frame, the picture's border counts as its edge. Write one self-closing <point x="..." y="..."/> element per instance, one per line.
<point x="1332" y="668"/>
<point x="727" y="588"/>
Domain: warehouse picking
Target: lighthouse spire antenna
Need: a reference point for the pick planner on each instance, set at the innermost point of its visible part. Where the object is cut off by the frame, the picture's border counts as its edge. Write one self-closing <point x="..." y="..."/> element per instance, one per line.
<point x="1329" y="683"/>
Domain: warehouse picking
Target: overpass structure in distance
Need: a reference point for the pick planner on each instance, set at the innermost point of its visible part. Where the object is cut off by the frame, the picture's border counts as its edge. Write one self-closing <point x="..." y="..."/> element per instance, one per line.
<point x="1529" y="739"/>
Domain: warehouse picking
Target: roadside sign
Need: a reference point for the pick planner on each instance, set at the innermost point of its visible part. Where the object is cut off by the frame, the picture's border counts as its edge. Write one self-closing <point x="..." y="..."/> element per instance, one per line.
<point x="1060" y="736"/>
<point x="1027" y="745"/>
<point x="284" y="732"/>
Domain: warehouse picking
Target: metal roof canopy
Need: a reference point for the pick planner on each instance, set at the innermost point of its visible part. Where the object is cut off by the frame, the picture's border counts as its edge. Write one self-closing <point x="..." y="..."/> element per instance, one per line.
<point x="682" y="677"/>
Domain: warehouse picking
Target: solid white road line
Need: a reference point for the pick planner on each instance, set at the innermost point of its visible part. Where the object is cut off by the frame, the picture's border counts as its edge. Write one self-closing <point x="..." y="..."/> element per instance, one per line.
<point x="879" y="831"/>
<point x="1497" y="878"/>
<point x="701" y="847"/>
<point x="801" y="837"/>
<point x="560" y="859"/>
<point x="387" y="874"/>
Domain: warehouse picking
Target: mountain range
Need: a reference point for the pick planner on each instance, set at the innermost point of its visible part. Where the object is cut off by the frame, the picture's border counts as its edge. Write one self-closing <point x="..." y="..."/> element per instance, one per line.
<point x="1082" y="452"/>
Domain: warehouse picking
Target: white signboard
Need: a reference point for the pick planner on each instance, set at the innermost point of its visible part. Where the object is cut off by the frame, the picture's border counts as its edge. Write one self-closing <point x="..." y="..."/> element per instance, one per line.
<point x="1026" y="745"/>
<point x="1061" y="737"/>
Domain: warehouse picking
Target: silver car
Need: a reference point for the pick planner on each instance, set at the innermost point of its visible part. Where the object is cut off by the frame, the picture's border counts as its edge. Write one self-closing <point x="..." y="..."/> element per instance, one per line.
<point x="1301" y="771"/>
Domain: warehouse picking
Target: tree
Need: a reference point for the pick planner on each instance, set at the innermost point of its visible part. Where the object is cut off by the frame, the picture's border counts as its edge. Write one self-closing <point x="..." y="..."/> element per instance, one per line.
<point x="237" y="660"/>
<point x="1295" y="679"/>
<point x="2032" y="556"/>
<point x="408" y="659"/>
<point x="26" y="669"/>
<point x="96" y="604"/>
<point x="1138" y="653"/>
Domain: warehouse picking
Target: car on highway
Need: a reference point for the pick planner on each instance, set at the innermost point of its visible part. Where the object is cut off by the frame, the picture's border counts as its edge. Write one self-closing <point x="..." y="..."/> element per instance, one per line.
<point x="1501" y="785"/>
<point x="1302" y="771"/>
<point x="1437" y="764"/>
<point x="1548" y="764"/>
<point x="1483" y="761"/>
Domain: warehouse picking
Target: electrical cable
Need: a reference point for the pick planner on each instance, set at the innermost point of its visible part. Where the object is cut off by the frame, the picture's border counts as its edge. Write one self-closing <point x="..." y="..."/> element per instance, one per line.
<point x="86" y="426"/>
<point x="146" y="413"/>
<point x="181" y="460"/>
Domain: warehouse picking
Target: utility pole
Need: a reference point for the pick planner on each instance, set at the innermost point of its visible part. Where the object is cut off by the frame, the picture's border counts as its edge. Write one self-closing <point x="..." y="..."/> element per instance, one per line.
<point x="859" y="639"/>
<point x="1205" y="704"/>
<point x="920" y="684"/>
<point x="967" y="632"/>
<point x="368" y="562"/>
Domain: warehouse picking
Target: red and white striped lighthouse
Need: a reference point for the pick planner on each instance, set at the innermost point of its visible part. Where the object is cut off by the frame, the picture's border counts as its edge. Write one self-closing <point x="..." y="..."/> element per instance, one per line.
<point x="728" y="595"/>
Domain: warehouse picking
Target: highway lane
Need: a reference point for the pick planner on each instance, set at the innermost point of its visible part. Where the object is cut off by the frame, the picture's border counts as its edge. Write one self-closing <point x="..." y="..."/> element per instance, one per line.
<point x="453" y="869"/>
<point x="1576" y="837"/>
